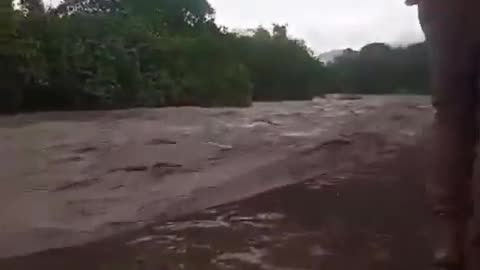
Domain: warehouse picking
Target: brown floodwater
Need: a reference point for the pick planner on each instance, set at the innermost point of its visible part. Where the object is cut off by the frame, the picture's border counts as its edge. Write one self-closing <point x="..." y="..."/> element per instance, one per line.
<point x="376" y="220"/>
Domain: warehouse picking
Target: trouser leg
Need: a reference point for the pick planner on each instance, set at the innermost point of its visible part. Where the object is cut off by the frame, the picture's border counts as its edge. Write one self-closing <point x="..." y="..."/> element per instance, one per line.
<point x="453" y="142"/>
<point x="454" y="134"/>
<point x="454" y="138"/>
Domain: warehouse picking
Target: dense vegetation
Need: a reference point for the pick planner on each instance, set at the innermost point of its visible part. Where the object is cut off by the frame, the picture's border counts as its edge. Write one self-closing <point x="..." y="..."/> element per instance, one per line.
<point x="104" y="54"/>
<point x="378" y="68"/>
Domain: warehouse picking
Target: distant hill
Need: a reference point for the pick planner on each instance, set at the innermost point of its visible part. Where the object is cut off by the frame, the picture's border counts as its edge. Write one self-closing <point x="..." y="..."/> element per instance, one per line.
<point x="330" y="56"/>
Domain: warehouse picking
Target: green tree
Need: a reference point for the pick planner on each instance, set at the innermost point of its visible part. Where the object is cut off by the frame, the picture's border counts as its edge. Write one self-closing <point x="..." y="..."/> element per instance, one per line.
<point x="104" y="54"/>
<point x="281" y="68"/>
<point x="32" y="7"/>
<point x="379" y="68"/>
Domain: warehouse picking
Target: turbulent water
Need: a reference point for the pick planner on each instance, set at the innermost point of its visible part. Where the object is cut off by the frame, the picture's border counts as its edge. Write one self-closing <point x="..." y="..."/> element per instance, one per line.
<point x="77" y="177"/>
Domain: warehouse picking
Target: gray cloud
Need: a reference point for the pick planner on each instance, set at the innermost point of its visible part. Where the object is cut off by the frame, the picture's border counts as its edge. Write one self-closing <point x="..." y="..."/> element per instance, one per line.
<point x="327" y="24"/>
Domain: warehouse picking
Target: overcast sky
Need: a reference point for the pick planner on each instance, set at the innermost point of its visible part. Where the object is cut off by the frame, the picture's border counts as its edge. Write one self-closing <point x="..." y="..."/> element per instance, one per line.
<point x="327" y="24"/>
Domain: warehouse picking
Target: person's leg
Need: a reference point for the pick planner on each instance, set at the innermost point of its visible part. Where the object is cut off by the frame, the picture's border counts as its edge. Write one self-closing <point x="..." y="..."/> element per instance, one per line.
<point x="454" y="133"/>
<point x="453" y="142"/>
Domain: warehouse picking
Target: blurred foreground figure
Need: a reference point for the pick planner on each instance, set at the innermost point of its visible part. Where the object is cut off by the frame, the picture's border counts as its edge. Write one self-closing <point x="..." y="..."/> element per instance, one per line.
<point x="452" y="30"/>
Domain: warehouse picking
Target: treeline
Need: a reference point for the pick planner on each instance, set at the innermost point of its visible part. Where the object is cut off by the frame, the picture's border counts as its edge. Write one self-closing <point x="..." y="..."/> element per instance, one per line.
<point x="378" y="68"/>
<point x="107" y="54"/>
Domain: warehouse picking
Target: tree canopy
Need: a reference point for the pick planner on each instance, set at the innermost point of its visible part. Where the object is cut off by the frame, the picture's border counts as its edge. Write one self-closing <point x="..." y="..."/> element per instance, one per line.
<point x="105" y="54"/>
<point x="379" y="68"/>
